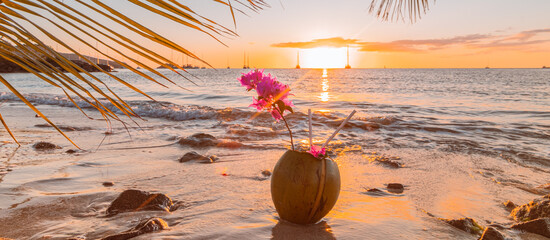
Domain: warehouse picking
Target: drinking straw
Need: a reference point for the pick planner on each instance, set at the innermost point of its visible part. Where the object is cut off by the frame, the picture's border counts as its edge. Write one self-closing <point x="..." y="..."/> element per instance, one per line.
<point x="338" y="129"/>
<point x="310" y="133"/>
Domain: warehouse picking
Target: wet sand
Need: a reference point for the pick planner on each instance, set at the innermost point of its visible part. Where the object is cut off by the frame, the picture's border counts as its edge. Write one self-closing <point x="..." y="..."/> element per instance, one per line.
<point x="57" y="195"/>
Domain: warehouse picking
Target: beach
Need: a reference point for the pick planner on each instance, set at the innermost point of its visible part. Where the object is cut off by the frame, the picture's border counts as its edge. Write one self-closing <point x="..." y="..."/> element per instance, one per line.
<point x="461" y="142"/>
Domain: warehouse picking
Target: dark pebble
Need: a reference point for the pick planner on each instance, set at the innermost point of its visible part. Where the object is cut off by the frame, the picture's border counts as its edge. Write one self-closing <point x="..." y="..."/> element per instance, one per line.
<point x="136" y="200"/>
<point x="395" y="187"/>
<point x="539" y="226"/>
<point x="147" y="226"/>
<point x="266" y="173"/>
<point x="44" y="146"/>
<point x="199" y="140"/>
<point x="70" y="151"/>
<point x="538" y="208"/>
<point x="465" y="224"/>
<point x="108" y="184"/>
<point x="491" y="234"/>
<point x="194" y="156"/>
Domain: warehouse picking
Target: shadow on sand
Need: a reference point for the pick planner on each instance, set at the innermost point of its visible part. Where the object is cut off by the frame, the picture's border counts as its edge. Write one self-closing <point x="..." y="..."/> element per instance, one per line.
<point x="287" y="230"/>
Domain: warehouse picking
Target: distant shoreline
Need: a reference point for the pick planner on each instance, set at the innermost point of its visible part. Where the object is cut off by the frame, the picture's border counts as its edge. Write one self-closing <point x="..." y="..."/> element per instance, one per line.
<point x="10" y="67"/>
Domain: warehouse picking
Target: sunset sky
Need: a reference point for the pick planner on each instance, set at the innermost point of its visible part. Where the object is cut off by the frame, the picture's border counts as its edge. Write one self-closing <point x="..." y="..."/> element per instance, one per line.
<point x="452" y="34"/>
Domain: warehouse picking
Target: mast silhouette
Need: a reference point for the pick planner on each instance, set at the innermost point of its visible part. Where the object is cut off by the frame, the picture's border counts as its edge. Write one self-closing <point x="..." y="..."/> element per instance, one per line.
<point x="244" y="62"/>
<point x="347" y="64"/>
<point x="298" y="60"/>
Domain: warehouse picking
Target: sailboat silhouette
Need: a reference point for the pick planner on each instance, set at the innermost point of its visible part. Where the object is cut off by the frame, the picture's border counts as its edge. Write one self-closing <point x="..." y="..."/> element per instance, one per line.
<point x="245" y="66"/>
<point x="298" y="60"/>
<point x="347" y="63"/>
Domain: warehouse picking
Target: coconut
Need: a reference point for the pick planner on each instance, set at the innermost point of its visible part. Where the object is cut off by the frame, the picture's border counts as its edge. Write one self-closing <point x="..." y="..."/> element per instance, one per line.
<point x="304" y="188"/>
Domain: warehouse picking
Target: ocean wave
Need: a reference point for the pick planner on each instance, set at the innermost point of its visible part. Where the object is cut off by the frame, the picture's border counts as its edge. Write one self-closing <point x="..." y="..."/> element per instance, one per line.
<point x="388" y="129"/>
<point x="151" y="109"/>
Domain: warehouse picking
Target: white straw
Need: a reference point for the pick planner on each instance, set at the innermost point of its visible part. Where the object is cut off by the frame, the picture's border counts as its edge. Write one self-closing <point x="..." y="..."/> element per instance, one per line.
<point x="310" y="133"/>
<point x="339" y="128"/>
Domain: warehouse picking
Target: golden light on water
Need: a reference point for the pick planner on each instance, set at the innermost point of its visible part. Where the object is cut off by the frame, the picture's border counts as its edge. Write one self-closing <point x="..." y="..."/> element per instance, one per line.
<point x="325" y="86"/>
<point x="316" y="141"/>
<point x="324" y="73"/>
<point x="324" y="97"/>
<point x="323" y="111"/>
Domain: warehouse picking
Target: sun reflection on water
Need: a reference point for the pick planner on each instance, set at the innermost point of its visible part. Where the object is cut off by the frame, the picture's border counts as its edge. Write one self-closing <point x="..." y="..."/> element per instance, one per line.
<point x="325" y="87"/>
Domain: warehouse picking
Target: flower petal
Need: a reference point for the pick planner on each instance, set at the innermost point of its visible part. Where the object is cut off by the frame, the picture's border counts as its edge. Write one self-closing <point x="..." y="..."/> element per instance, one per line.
<point x="317" y="151"/>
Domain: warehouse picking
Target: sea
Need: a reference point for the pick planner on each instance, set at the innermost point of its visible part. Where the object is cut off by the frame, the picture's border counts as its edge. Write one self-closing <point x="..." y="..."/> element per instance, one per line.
<point x="464" y="140"/>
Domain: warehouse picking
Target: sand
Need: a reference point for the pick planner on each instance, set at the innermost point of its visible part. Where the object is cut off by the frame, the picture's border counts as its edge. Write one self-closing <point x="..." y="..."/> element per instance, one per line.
<point x="57" y="195"/>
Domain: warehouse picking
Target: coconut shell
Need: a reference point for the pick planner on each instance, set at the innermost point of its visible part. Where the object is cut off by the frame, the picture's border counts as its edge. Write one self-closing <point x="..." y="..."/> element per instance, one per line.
<point x="295" y="183"/>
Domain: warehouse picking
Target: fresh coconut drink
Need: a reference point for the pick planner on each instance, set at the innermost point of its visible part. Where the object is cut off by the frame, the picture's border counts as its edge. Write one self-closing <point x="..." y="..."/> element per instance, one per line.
<point x="304" y="185"/>
<point x="304" y="188"/>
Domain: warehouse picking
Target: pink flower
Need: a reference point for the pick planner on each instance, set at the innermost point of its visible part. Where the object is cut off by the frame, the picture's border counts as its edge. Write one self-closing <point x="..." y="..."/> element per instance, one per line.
<point x="272" y="94"/>
<point x="275" y="114"/>
<point x="316" y="151"/>
<point x="259" y="104"/>
<point x="251" y="79"/>
<point x="266" y="87"/>
<point x="287" y="102"/>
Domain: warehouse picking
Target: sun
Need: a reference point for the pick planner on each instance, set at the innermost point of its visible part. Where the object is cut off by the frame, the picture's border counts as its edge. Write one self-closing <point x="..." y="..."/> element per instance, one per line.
<point x="323" y="57"/>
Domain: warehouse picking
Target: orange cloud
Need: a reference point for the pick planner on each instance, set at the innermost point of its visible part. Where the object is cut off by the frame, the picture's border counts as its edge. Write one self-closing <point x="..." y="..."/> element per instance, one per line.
<point x="420" y="45"/>
<point x="472" y="41"/>
<point x="509" y="45"/>
<point x="526" y="35"/>
<point x="335" y="42"/>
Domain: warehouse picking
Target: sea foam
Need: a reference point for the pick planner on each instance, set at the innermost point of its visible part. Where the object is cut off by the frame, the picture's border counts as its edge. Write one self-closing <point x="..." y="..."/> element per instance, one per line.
<point x="152" y="109"/>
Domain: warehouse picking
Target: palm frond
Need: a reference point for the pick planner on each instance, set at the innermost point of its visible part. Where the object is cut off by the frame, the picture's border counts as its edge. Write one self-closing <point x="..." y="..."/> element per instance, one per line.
<point x="8" y="129"/>
<point x="395" y="10"/>
<point x="22" y="43"/>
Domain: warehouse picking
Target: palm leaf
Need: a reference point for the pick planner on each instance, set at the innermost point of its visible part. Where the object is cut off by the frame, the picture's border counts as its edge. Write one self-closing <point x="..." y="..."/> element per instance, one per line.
<point x="8" y="129"/>
<point x="22" y="46"/>
<point x="395" y="10"/>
